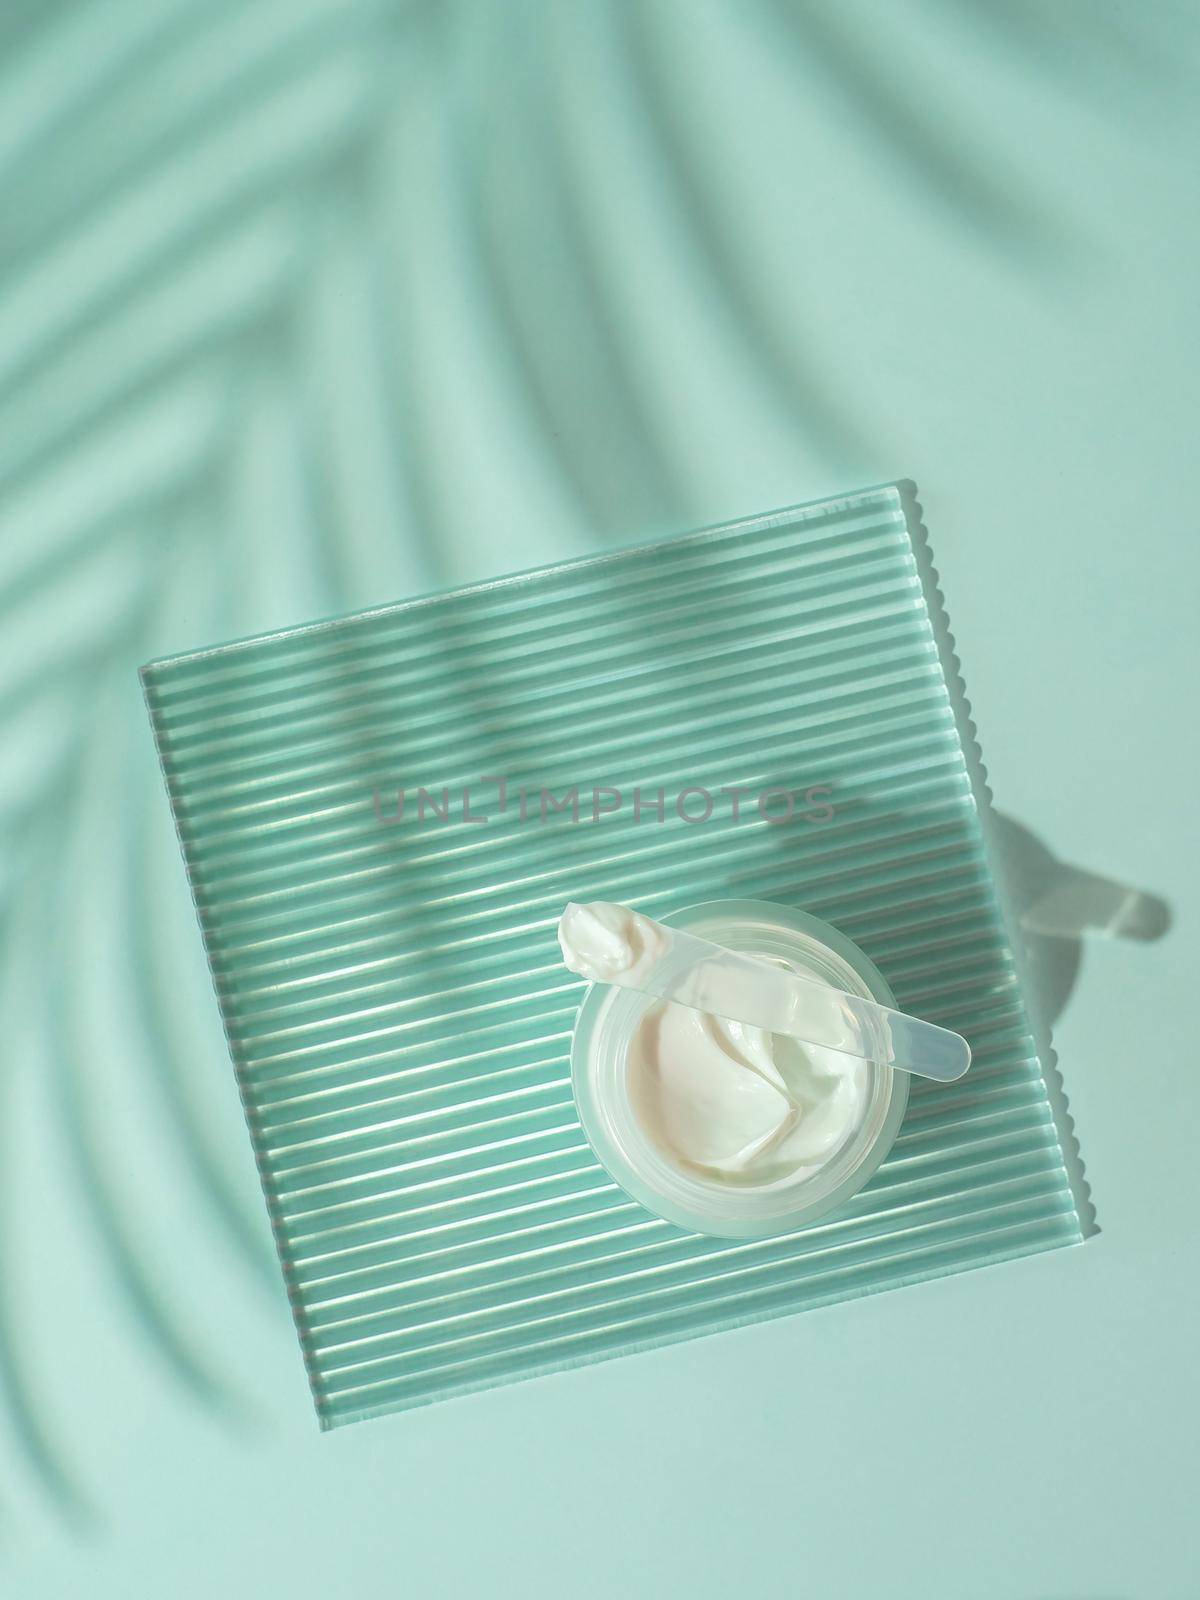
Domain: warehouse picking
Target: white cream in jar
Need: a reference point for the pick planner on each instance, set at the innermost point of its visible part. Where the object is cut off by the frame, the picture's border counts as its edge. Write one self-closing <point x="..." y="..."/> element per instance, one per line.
<point x="738" y="1102"/>
<point x="716" y="1125"/>
<point x="727" y="1099"/>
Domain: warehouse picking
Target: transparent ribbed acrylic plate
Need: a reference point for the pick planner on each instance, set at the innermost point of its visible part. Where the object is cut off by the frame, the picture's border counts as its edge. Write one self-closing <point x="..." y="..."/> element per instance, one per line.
<point x="391" y="990"/>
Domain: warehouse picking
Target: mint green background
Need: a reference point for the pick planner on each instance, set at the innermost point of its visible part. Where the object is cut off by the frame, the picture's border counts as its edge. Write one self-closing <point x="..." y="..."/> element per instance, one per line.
<point x="252" y="369"/>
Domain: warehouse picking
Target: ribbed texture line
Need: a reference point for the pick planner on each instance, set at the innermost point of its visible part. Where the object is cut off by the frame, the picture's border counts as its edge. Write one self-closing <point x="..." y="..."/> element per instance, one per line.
<point x="391" y="992"/>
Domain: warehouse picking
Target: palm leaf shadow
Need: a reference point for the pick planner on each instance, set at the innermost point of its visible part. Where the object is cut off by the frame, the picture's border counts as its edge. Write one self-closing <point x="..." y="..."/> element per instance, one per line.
<point x="968" y="187"/>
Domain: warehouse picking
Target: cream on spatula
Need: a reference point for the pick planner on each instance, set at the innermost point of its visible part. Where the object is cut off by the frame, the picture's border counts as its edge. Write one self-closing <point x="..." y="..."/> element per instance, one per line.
<point x="608" y="943"/>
